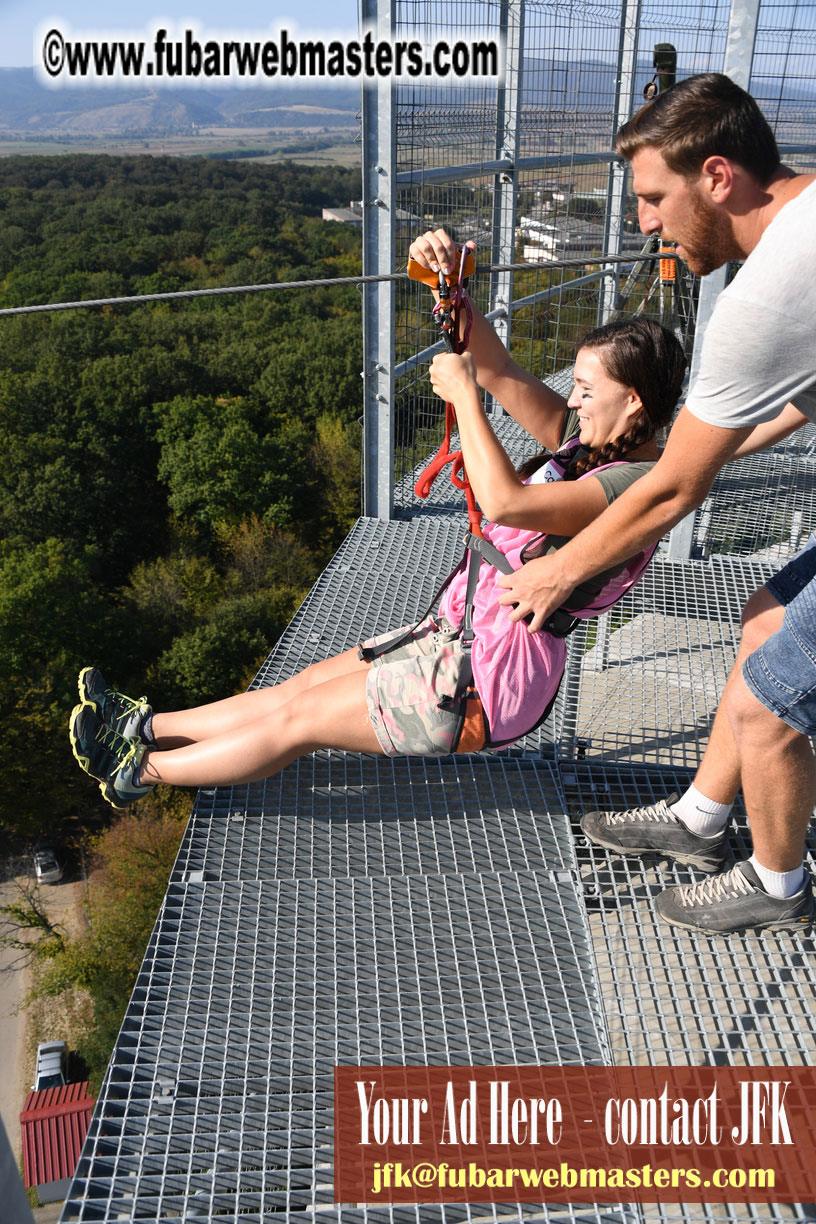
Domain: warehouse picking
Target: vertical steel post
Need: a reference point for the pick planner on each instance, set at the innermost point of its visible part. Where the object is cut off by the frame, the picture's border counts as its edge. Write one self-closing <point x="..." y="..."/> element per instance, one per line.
<point x="618" y="170"/>
<point x="379" y="205"/>
<point x="739" y="53"/>
<point x="505" y="186"/>
<point x="567" y="709"/>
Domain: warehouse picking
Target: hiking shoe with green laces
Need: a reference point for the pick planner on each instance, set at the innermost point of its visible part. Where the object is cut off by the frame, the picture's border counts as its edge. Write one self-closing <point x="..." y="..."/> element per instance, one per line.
<point x="123" y="714"/>
<point x="655" y="829"/>
<point x="107" y="756"/>
<point x="735" y="901"/>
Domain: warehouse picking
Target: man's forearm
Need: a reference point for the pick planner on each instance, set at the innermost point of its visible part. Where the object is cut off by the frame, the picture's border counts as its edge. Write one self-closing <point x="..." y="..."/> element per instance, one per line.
<point x="637" y="519"/>
<point x="677" y="484"/>
<point x="621" y="532"/>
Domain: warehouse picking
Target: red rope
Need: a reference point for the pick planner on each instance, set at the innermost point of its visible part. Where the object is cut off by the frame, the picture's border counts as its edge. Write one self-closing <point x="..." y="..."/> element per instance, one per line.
<point x="445" y="456"/>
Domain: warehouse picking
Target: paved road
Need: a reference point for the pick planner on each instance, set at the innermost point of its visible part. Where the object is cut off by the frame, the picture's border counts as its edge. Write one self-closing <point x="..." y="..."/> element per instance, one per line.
<point x="15" y="1081"/>
<point x="12" y="987"/>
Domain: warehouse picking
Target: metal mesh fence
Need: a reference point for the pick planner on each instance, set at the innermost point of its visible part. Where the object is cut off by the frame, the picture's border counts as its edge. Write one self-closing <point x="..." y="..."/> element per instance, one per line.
<point x="762" y="506"/>
<point x="556" y="128"/>
<point x="782" y="73"/>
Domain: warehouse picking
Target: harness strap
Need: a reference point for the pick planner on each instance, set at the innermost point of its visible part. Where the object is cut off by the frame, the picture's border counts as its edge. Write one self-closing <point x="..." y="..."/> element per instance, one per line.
<point x="369" y="653"/>
<point x="491" y="554"/>
<point x="559" y="623"/>
<point x="457" y="702"/>
<point x="466" y="633"/>
<point x="476" y="547"/>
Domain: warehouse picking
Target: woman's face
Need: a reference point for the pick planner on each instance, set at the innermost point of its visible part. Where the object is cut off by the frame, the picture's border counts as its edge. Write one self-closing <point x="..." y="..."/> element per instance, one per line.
<point x="605" y="408"/>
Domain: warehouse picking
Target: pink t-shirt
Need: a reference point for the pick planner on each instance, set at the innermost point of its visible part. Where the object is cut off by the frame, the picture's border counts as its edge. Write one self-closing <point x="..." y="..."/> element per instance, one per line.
<point x="515" y="671"/>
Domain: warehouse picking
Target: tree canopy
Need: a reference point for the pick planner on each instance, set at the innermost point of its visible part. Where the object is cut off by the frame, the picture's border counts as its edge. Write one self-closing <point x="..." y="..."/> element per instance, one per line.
<point x="175" y="475"/>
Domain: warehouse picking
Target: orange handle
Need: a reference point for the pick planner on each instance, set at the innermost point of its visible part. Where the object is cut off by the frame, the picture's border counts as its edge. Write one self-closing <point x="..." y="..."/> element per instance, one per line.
<point x="418" y="273"/>
<point x="668" y="267"/>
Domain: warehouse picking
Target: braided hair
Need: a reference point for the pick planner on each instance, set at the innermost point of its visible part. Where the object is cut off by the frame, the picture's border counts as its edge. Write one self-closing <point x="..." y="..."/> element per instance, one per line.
<point x="637" y="353"/>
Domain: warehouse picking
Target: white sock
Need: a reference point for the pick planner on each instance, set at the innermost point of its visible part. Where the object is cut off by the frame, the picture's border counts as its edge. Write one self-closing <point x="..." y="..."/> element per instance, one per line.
<point x="779" y="884"/>
<point x="700" y="814"/>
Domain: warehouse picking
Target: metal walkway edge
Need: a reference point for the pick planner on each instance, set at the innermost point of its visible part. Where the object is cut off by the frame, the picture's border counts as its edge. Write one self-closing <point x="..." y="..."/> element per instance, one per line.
<point x="362" y="910"/>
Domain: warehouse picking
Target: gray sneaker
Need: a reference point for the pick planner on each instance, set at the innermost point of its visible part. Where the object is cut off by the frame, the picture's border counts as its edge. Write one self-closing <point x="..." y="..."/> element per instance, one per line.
<point x="124" y="714"/>
<point x="735" y="901"/>
<point x="108" y="757"/>
<point x="654" y="829"/>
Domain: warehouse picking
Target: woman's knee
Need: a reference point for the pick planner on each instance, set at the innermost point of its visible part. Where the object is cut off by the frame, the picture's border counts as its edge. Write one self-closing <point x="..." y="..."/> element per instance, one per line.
<point x="329" y="669"/>
<point x="333" y="714"/>
<point x="293" y="722"/>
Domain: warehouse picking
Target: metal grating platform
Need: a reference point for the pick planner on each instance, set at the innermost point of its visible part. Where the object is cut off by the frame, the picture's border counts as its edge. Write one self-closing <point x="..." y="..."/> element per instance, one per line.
<point x="218" y="1099"/>
<point x="357" y="909"/>
<point x="360" y="816"/>
<point x="673" y="997"/>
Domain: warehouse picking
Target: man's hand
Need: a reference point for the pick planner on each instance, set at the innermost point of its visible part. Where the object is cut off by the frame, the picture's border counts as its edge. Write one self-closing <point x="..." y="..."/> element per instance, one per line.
<point x="538" y="588"/>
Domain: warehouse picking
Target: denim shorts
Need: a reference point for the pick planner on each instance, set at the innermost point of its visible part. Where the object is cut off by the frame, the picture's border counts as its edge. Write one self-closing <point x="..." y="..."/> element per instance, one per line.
<point x="782" y="672"/>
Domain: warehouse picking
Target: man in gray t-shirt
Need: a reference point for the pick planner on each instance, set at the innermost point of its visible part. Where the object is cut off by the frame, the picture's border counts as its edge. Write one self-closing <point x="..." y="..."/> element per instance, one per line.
<point x="707" y="175"/>
<point x="758" y="352"/>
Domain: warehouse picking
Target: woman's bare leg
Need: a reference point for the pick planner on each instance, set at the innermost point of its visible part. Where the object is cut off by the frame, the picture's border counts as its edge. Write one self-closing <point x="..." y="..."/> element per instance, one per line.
<point x="182" y="727"/>
<point x="333" y="714"/>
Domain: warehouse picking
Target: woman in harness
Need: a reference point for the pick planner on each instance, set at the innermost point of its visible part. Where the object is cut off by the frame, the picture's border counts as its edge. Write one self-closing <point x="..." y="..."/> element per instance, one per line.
<point x="423" y="691"/>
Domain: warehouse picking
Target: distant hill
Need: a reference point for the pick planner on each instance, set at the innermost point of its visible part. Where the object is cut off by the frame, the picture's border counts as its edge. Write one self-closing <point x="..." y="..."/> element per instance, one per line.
<point x="28" y="107"/>
<point x="555" y="83"/>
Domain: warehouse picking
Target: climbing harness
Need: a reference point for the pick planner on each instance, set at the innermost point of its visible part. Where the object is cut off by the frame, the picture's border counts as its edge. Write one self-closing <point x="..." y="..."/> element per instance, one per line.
<point x="586" y="601"/>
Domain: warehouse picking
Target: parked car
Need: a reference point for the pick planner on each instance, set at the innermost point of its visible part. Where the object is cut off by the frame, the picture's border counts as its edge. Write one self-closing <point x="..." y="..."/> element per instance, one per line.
<point x="48" y="866"/>
<point x="50" y="1069"/>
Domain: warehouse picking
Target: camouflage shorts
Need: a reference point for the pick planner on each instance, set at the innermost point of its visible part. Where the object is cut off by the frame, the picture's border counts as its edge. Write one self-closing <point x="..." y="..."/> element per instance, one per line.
<point x="404" y="689"/>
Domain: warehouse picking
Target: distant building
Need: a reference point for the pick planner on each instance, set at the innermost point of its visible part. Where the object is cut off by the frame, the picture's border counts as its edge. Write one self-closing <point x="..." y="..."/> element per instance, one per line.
<point x="573" y="238"/>
<point x="353" y="215"/>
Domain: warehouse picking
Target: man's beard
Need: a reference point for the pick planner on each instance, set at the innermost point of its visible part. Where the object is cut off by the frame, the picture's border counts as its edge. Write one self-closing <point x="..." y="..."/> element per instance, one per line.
<point x="709" y="238"/>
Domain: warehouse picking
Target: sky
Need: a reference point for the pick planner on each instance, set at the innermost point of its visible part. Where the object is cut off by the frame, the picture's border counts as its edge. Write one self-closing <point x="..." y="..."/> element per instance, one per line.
<point x="21" y="19"/>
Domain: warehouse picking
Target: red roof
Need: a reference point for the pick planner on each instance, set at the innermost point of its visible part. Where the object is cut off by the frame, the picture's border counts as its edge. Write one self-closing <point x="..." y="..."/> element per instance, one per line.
<point x="54" y="1123"/>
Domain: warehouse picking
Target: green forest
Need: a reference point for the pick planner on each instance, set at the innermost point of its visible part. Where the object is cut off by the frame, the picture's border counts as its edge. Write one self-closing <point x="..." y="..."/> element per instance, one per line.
<point x="175" y="475"/>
